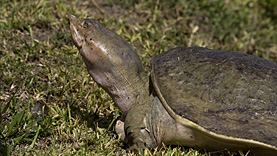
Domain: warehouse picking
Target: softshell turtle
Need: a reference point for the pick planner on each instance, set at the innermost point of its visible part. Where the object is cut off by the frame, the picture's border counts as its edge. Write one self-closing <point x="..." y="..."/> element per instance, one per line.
<point x="195" y="96"/>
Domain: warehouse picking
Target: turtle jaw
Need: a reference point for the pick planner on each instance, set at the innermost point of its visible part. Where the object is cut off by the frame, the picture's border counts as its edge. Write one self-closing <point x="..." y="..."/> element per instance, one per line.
<point x="74" y="27"/>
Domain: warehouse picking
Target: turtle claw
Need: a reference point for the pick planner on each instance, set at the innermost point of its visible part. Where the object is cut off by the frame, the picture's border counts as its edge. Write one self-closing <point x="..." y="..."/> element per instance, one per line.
<point x="134" y="148"/>
<point x="137" y="146"/>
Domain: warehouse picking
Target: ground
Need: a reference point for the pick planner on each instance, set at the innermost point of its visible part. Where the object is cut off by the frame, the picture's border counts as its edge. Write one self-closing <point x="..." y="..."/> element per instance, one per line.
<point x="49" y="104"/>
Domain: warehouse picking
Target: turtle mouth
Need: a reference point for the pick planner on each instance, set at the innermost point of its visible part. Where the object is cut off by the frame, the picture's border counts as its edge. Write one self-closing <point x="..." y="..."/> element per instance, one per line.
<point x="76" y="36"/>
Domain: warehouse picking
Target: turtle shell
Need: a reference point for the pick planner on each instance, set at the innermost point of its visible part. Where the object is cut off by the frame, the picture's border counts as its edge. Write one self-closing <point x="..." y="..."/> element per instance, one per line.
<point x="226" y="93"/>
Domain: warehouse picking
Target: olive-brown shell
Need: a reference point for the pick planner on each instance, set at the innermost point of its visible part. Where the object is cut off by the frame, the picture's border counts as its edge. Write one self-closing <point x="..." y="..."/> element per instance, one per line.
<point x="228" y="93"/>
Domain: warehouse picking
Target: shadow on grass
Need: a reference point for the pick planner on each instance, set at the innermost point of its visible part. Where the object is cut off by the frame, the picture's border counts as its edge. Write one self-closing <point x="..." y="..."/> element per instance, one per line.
<point x="94" y="119"/>
<point x="4" y="150"/>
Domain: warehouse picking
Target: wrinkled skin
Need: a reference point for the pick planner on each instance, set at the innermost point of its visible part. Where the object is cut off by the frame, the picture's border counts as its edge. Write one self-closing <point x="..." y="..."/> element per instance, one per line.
<point x="149" y="122"/>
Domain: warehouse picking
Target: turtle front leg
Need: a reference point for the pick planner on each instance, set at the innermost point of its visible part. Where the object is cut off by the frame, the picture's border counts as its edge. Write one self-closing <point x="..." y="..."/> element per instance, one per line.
<point x="137" y="128"/>
<point x="139" y="137"/>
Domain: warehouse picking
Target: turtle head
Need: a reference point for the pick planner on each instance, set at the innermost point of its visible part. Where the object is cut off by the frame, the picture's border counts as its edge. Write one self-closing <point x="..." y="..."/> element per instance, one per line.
<point x="96" y="44"/>
<point x="110" y="60"/>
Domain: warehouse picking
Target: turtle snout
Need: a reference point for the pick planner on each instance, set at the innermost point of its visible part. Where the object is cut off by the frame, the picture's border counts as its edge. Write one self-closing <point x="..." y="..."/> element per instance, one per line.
<point x="70" y="17"/>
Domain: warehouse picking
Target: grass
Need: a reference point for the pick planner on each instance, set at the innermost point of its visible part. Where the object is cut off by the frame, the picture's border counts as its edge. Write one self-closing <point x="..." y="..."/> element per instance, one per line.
<point x="49" y="104"/>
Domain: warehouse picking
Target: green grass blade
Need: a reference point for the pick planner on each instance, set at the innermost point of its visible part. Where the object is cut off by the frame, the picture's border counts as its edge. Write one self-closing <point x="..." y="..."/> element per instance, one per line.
<point x="35" y="138"/>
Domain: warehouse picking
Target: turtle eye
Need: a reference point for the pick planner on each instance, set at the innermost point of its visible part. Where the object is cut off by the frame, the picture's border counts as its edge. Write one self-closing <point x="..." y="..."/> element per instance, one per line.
<point x="85" y="24"/>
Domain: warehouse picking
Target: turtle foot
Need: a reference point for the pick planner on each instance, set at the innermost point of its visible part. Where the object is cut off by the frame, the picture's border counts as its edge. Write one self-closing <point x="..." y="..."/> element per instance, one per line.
<point x="139" y="138"/>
